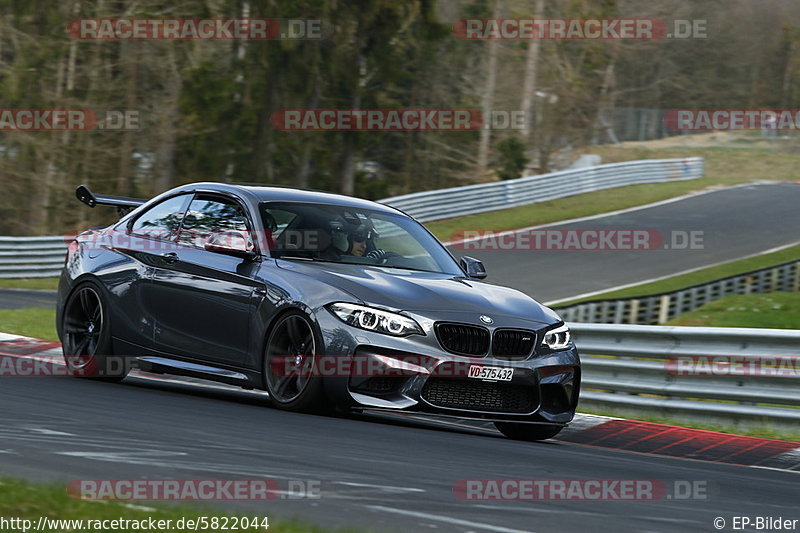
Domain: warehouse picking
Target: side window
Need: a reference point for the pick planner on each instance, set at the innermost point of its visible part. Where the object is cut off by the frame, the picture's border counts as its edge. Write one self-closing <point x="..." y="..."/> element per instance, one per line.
<point x="163" y="220"/>
<point x="280" y="220"/>
<point x="276" y="221"/>
<point x="209" y="215"/>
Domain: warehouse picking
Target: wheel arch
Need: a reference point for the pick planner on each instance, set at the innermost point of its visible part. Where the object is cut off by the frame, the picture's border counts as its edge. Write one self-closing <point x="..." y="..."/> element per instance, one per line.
<point x="280" y="312"/>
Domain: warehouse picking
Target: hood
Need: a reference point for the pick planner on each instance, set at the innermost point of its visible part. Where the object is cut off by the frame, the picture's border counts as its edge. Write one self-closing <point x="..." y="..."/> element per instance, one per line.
<point x="423" y="291"/>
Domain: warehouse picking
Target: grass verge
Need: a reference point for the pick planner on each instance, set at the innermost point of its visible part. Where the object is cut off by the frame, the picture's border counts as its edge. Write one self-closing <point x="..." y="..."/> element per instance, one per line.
<point x="779" y="310"/>
<point x="30" y="283"/>
<point x="29" y="501"/>
<point x="29" y="322"/>
<point x="693" y="278"/>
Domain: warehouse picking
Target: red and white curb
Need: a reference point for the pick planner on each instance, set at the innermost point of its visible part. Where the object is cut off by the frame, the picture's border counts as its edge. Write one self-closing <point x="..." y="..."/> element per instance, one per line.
<point x="589" y="430"/>
<point x="675" y="441"/>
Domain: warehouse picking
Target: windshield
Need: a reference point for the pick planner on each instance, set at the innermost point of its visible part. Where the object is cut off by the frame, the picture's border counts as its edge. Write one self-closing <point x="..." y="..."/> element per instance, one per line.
<point x="343" y="234"/>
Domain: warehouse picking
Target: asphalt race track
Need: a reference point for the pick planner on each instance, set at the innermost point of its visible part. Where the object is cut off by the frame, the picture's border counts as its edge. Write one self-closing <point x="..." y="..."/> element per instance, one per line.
<point x="735" y="222"/>
<point x="21" y="298"/>
<point x="391" y="475"/>
<point x="376" y="474"/>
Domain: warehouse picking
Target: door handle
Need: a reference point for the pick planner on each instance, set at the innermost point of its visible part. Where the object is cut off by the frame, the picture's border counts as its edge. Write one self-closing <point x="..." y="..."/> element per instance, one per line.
<point x="169" y="257"/>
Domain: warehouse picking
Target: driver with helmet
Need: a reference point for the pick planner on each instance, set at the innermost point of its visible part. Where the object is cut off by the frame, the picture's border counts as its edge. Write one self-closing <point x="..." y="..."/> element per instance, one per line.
<point x="354" y="239"/>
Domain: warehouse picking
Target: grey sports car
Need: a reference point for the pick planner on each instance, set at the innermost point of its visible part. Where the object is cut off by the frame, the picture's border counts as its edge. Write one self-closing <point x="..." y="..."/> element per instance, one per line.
<point x="324" y="301"/>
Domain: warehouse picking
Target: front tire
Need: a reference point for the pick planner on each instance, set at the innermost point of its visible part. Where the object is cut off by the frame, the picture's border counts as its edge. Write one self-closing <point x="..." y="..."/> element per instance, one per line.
<point x="86" y="335"/>
<point x="527" y="432"/>
<point x="290" y="360"/>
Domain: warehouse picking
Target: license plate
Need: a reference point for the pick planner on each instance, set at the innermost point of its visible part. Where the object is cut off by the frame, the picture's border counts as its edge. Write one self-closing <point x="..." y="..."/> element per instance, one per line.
<point x="490" y="373"/>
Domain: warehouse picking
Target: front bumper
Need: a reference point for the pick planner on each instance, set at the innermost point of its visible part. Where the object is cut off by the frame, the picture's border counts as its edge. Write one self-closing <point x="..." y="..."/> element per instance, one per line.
<point x="415" y="373"/>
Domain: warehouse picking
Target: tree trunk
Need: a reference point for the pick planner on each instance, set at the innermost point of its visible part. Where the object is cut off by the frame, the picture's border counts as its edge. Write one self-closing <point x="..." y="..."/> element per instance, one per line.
<point x="786" y="86"/>
<point x="130" y="64"/>
<point x="606" y="101"/>
<point x="487" y="100"/>
<point x="529" y="86"/>
<point x="348" y="161"/>
<point x="304" y="174"/>
<point x="165" y="157"/>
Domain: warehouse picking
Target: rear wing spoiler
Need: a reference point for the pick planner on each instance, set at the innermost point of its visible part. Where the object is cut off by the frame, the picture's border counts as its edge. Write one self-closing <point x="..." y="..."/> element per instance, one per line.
<point x="123" y="204"/>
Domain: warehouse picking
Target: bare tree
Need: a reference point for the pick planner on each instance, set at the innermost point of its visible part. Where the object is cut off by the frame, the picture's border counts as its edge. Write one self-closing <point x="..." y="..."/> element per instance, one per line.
<point x="529" y="86"/>
<point x="487" y="99"/>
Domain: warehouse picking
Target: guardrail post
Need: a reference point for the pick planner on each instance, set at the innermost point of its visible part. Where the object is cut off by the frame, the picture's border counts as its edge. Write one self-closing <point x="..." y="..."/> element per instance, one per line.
<point x="634" y="316"/>
<point x="619" y="311"/>
<point x="796" y="284"/>
<point x="651" y="313"/>
<point x="663" y="310"/>
<point x="507" y="196"/>
<point x="723" y="288"/>
<point x="748" y="284"/>
<point x="604" y="312"/>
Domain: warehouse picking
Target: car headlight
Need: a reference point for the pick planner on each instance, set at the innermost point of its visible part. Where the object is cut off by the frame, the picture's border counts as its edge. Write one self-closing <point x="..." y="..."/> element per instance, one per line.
<point x="372" y="319"/>
<point x="557" y="338"/>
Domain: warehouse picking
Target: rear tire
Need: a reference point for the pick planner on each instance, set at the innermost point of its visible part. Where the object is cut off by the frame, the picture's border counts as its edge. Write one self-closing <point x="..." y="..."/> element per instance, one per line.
<point x="86" y="335"/>
<point x="290" y="361"/>
<point x="527" y="432"/>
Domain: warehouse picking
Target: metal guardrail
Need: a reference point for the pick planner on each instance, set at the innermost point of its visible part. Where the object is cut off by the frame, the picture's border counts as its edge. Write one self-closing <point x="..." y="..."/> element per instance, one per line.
<point x="638" y="370"/>
<point x="472" y="199"/>
<point x="659" y="308"/>
<point x="32" y="257"/>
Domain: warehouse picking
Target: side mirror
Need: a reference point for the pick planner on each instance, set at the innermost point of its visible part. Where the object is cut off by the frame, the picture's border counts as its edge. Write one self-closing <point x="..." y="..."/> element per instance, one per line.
<point x="473" y="267"/>
<point x="230" y="242"/>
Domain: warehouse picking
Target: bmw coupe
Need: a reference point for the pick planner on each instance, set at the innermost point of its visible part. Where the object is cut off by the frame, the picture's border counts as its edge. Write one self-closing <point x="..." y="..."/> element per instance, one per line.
<point x="322" y="300"/>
